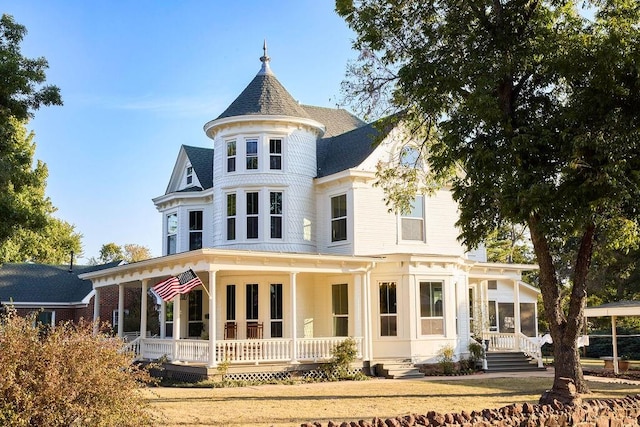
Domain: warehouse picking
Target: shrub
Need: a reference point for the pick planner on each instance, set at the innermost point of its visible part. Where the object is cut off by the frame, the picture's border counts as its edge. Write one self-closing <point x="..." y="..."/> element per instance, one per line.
<point x="342" y="356"/>
<point x="67" y="375"/>
<point x="445" y="359"/>
<point x="476" y="354"/>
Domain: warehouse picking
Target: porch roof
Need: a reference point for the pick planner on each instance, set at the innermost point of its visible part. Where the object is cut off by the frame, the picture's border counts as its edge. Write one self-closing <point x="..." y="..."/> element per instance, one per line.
<point x="617" y="308"/>
<point x="230" y="260"/>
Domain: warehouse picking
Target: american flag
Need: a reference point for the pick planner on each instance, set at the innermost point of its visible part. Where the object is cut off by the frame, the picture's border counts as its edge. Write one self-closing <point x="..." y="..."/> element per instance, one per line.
<point x="180" y="284"/>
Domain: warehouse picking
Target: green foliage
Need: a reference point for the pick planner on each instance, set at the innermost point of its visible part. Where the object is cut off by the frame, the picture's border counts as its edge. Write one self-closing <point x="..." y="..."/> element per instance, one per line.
<point x="67" y="375"/>
<point x="52" y="245"/>
<point x="129" y="252"/>
<point x="537" y="111"/>
<point x="476" y="352"/>
<point x="25" y="211"/>
<point x="342" y="356"/>
<point x="445" y="359"/>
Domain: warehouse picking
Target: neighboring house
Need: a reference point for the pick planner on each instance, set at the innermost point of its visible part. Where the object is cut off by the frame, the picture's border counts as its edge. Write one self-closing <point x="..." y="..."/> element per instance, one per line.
<point x="54" y="292"/>
<point x="296" y="249"/>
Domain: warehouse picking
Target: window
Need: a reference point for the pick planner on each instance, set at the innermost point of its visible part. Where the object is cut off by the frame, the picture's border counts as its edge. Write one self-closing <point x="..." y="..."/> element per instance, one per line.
<point x="340" y="308"/>
<point x="252" y="302"/>
<point x="410" y="157"/>
<point x="506" y="319"/>
<point x="431" y="318"/>
<point x="172" y="230"/>
<point x="528" y="319"/>
<point x="195" y="314"/>
<point x="276" y="310"/>
<point x="339" y="218"/>
<point x="252" y="154"/>
<point x="168" y="317"/>
<point x="252" y="215"/>
<point x="46" y="318"/>
<point x="413" y="221"/>
<point x="231" y="302"/>
<point x="388" y="309"/>
<point x="493" y="317"/>
<point x="231" y="216"/>
<point x="275" y="212"/>
<point x="275" y="154"/>
<point x="195" y="230"/>
<point x="189" y="175"/>
<point x="231" y="156"/>
<point x="114" y="318"/>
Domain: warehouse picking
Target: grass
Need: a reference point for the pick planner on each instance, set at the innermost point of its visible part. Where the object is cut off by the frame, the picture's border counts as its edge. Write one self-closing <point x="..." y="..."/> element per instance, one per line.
<point x="291" y="405"/>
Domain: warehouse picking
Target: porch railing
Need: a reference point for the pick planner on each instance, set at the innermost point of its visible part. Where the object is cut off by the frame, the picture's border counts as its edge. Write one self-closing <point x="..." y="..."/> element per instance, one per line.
<point x="514" y="342"/>
<point x="240" y="351"/>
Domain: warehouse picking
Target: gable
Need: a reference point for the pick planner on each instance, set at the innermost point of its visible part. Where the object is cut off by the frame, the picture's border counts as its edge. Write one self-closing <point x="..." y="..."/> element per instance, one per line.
<point x="200" y="159"/>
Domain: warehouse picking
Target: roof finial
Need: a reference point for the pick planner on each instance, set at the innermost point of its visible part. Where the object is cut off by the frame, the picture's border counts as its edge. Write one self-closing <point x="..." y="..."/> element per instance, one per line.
<point x="265" y="60"/>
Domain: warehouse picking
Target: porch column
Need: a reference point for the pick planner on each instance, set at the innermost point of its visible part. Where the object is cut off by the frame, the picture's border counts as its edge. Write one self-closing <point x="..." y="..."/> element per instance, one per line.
<point x="614" y="340"/>
<point x="120" y="310"/>
<point x="294" y="319"/>
<point x="369" y="316"/>
<point x="212" y="320"/>
<point x="143" y="308"/>
<point x="96" y="310"/>
<point x="163" y="320"/>
<point x="357" y="309"/>
<point x="176" y="325"/>
<point x="516" y="312"/>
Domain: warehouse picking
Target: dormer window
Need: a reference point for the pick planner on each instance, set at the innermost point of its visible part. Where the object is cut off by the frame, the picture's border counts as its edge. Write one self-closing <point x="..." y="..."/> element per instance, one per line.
<point x="231" y="156"/>
<point x="189" y="175"/>
<point x="275" y="154"/>
<point x="252" y="153"/>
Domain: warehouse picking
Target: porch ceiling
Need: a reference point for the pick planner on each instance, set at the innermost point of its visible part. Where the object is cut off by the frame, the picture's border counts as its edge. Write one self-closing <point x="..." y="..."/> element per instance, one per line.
<point x="202" y="260"/>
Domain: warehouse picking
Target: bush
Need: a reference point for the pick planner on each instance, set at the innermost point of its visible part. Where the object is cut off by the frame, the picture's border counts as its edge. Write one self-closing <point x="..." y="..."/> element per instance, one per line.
<point x="445" y="359"/>
<point x="67" y="375"/>
<point x="342" y="356"/>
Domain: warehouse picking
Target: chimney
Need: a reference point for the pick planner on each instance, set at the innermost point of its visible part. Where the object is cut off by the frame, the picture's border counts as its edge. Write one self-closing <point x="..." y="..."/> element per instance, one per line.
<point x="71" y="263"/>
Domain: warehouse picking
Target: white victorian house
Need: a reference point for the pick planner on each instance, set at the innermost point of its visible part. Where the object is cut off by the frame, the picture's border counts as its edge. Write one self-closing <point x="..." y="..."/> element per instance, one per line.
<point x="296" y="250"/>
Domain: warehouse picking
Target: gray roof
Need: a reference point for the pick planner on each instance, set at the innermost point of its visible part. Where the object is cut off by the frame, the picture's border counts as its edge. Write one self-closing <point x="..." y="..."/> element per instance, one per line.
<point x="202" y="162"/>
<point x="42" y="283"/>
<point x="336" y="120"/>
<point x="347" y="150"/>
<point x="265" y="95"/>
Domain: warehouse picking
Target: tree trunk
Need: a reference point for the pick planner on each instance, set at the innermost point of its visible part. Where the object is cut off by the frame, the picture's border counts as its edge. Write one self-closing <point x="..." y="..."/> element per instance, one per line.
<point x="564" y="328"/>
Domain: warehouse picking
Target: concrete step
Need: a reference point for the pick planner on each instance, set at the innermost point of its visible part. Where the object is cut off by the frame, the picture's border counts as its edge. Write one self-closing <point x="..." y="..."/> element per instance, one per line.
<point x="510" y="362"/>
<point x="397" y="369"/>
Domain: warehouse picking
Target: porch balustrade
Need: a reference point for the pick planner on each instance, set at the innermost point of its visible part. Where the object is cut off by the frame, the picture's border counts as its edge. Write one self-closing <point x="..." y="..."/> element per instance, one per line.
<point x="239" y="351"/>
<point x="500" y="341"/>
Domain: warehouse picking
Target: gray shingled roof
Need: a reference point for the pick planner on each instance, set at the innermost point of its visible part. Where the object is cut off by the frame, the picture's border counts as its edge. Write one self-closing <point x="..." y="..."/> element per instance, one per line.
<point x="336" y="120"/>
<point x="265" y="96"/>
<point x="41" y="283"/>
<point x="347" y="150"/>
<point x="202" y="162"/>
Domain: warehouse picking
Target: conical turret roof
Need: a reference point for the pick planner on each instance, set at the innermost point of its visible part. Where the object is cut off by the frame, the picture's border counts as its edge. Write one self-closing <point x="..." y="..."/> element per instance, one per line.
<point x="265" y="95"/>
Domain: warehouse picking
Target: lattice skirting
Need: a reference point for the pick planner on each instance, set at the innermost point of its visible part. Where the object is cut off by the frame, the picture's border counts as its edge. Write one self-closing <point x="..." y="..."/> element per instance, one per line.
<point x="251" y="377"/>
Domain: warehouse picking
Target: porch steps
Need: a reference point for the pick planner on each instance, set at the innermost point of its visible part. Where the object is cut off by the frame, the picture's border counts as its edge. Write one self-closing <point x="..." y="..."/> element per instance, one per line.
<point x="396" y="369"/>
<point x="510" y="362"/>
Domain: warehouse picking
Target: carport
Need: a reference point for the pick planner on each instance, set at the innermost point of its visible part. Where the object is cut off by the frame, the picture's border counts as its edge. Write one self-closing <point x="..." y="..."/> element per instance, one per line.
<point x="614" y="310"/>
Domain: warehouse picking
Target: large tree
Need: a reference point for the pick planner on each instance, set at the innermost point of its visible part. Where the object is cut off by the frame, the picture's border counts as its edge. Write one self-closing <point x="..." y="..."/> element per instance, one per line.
<point x="23" y="204"/>
<point x="535" y="104"/>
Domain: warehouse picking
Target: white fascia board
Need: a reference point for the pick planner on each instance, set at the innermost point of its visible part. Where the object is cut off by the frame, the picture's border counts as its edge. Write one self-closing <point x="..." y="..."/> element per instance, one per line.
<point x="182" y="196"/>
<point x="348" y="174"/>
<point x="211" y="128"/>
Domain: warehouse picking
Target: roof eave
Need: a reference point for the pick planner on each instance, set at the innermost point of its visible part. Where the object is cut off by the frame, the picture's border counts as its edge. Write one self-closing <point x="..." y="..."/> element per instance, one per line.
<point x="213" y="126"/>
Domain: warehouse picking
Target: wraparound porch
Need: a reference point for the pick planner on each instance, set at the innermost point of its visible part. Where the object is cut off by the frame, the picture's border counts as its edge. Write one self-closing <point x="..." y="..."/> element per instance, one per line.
<point x="284" y="350"/>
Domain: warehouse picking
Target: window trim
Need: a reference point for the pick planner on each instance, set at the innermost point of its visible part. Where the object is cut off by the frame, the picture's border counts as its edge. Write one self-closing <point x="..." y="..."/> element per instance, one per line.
<point x="335" y="219"/>
<point x="195" y="231"/>
<point x="390" y="313"/>
<point x="411" y="217"/>
<point x="252" y="156"/>
<point x="421" y="316"/>
<point x="275" y="215"/>
<point x="231" y="217"/>
<point x="169" y="234"/>
<point x="231" y="157"/>
<point x="276" y="309"/>
<point x="189" y="175"/>
<point x="276" y="154"/>
<point x="340" y="287"/>
<point x="254" y="215"/>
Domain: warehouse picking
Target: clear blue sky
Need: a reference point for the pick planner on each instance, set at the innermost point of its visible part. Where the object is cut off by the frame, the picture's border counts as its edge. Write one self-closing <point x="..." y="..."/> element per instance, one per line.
<point x="140" y="78"/>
